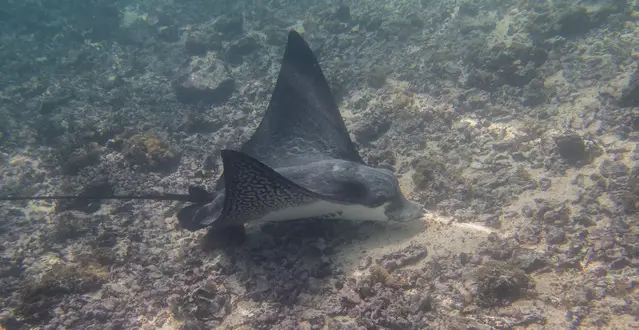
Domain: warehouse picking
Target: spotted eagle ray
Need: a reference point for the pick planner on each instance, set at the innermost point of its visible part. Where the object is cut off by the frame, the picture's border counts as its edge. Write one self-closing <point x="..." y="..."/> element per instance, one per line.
<point x="300" y="163"/>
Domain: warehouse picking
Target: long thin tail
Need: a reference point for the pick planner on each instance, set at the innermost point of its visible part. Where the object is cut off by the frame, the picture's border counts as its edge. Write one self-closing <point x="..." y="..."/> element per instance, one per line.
<point x="163" y="197"/>
<point x="195" y="195"/>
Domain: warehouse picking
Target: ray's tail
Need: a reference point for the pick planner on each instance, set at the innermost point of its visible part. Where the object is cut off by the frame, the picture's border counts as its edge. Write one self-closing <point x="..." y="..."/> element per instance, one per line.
<point x="196" y="195"/>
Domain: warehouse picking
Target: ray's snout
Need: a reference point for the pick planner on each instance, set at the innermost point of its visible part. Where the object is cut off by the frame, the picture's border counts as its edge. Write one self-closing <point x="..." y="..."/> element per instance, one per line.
<point x="412" y="210"/>
<point x="406" y="211"/>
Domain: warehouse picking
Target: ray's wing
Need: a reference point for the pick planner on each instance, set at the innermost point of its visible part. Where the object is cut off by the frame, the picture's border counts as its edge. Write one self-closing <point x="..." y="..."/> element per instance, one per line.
<point x="302" y="122"/>
<point x="253" y="190"/>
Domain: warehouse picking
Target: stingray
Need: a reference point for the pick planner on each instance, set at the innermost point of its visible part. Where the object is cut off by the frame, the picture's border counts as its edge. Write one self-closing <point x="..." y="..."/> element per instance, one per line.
<point x="300" y="163"/>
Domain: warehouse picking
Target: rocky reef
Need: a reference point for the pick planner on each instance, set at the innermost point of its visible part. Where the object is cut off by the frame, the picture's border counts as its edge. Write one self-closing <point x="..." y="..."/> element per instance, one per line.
<point x="515" y="124"/>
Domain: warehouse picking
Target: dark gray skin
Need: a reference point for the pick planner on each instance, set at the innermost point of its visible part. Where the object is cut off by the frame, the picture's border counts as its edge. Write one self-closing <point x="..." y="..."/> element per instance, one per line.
<point x="342" y="180"/>
<point x="301" y="144"/>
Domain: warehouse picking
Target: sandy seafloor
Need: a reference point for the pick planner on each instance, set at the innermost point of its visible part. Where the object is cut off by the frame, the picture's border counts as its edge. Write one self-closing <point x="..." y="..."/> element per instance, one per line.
<point x="515" y="124"/>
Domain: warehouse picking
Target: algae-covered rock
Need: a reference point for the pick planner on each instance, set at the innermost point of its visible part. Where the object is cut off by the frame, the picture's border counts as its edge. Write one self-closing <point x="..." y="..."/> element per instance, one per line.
<point x="99" y="187"/>
<point x="630" y="94"/>
<point x="343" y="13"/>
<point x="512" y="64"/>
<point x="70" y="224"/>
<point x="198" y="42"/>
<point x="572" y="148"/>
<point x="240" y="48"/>
<point x="204" y="80"/>
<point x="376" y="78"/>
<point x="498" y="283"/>
<point x="39" y="296"/>
<point x="229" y="26"/>
<point x="151" y="152"/>
<point x="426" y="170"/>
<point x="81" y="158"/>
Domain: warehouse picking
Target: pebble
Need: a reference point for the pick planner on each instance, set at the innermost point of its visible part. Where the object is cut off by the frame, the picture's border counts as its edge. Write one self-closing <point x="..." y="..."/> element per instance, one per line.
<point x="555" y="235"/>
<point x="116" y="288"/>
<point x="617" y="305"/>
<point x="349" y="296"/>
<point x="545" y="183"/>
<point x="612" y="169"/>
<point x="620" y="263"/>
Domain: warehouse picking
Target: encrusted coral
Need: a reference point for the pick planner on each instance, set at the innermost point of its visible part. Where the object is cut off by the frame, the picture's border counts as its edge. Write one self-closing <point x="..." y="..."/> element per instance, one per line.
<point x="39" y="296"/>
<point x="89" y="155"/>
<point x="151" y="152"/>
<point x="425" y="171"/>
<point x="498" y="283"/>
<point x="403" y="100"/>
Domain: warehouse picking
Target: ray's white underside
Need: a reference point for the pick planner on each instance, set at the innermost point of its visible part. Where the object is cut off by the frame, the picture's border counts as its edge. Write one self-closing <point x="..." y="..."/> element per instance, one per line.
<point x="324" y="209"/>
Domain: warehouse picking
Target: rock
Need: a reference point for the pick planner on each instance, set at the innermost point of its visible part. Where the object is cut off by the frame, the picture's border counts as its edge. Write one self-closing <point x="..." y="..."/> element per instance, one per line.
<point x="240" y="48"/>
<point x="584" y="220"/>
<point x="603" y="241"/>
<point x="198" y="43"/>
<point x="620" y="263"/>
<point x="492" y="221"/>
<point x="384" y="158"/>
<point x="10" y="322"/>
<point x="99" y="187"/>
<point x="499" y="282"/>
<point x="575" y="21"/>
<point x="426" y="171"/>
<point x="610" y="169"/>
<point x="531" y="261"/>
<point x="533" y="98"/>
<point x="51" y="103"/>
<point x="369" y="131"/>
<point x="555" y="235"/>
<point x="529" y="233"/>
<point x="502" y="64"/>
<point x="376" y="78"/>
<point x="39" y="296"/>
<point x="406" y="256"/>
<point x="533" y="93"/>
<point x="630" y="241"/>
<point x="81" y="158"/>
<point x="201" y="123"/>
<point x="545" y="183"/>
<point x="527" y="211"/>
<point x="424" y="304"/>
<point x="630" y="94"/>
<point x="343" y="13"/>
<point x="617" y="305"/>
<point x="614" y="253"/>
<point x="580" y="19"/>
<point x="578" y="295"/>
<point x="571" y="148"/>
<point x="70" y="224"/>
<point x="349" y="296"/>
<point x="168" y="33"/>
<point x="204" y="80"/>
<point x="496" y="248"/>
<point x="229" y="27"/>
<point x="151" y="152"/>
